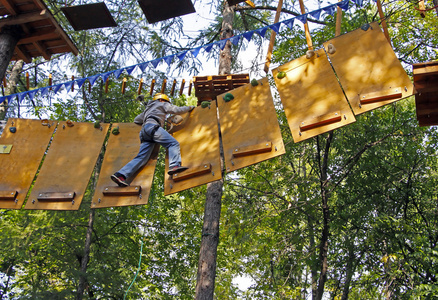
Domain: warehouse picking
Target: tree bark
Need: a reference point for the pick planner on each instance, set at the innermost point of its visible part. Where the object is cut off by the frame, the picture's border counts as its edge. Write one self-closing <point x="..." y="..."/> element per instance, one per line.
<point x="11" y="86"/>
<point x="9" y="37"/>
<point x="325" y="195"/>
<point x="84" y="261"/>
<point x="210" y="232"/>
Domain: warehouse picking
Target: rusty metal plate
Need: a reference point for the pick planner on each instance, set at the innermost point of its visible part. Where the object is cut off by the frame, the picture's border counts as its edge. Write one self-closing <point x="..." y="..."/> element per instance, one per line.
<point x="89" y="16"/>
<point x="366" y="65"/>
<point x="18" y="168"/>
<point x="312" y="97"/>
<point x="199" y="140"/>
<point x="156" y="11"/>
<point x="67" y="167"/>
<point x="249" y="126"/>
<point x="120" y="150"/>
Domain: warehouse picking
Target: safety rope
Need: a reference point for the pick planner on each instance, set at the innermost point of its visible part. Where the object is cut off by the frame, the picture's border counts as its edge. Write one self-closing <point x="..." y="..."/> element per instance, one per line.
<point x="141" y="246"/>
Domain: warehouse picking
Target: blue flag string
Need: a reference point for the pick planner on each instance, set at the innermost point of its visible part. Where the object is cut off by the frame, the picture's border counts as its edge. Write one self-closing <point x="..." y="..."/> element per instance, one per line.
<point x="330" y="9"/>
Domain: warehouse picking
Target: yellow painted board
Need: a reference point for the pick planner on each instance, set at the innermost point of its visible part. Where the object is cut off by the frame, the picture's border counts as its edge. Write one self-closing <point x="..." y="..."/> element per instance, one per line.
<point x="199" y="142"/>
<point x="120" y="150"/>
<point x="366" y="64"/>
<point x="68" y="165"/>
<point x="312" y="97"/>
<point x="248" y="125"/>
<point x="18" y="168"/>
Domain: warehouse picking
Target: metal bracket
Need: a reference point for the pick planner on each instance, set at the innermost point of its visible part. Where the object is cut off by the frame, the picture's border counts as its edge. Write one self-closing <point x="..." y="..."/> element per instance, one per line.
<point x="5" y="149"/>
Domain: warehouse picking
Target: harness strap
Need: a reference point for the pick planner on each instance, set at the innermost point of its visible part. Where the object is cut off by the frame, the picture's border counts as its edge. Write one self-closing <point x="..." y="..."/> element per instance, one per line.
<point x="152" y="134"/>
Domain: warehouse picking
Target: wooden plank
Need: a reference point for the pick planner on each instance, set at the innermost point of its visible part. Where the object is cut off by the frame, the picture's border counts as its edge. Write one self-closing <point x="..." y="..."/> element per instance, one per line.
<point x="253" y="149"/>
<point x="68" y="165"/>
<point x="321" y="121"/>
<point x="56" y="196"/>
<point x="192" y="172"/>
<point x="24" y="18"/>
<point x="249" y="122"/>
<point x="8" y="195"/>
<point x="393" y="93"/>
<point x="198" y="136"/>
<point x="133" y="190"/>
<point x="18" y="168"/>
<point x="120" y="150"/>
<point x="311" y="94"/>
<point x="209" y="87"/>
<point x="429" y="85"/>
<point x="365" y="63"/>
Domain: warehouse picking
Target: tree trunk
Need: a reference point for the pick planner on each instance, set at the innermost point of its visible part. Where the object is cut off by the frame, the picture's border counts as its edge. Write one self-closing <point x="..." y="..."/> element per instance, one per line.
<point x="325" y="194"/>
<point x="350" y="273"/>
<point x="11" y="86"/>
<point x="9" y="37"/>
<point x="210" y="231"/>
<point x="84" y="262"/>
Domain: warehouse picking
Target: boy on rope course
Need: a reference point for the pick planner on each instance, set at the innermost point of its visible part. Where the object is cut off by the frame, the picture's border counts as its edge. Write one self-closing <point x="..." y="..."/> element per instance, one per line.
<point x="152" y="121"/>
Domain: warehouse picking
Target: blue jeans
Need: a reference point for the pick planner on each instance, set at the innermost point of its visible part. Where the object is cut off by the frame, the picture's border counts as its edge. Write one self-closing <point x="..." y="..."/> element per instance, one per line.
<point x="162" y="137"/>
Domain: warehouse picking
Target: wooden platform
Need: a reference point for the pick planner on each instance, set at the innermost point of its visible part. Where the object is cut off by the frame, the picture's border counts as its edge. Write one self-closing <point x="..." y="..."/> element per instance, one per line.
<point x="368" y="69"/>
<point x="19" y="166"/>
<point x="249" y="126"/>
<point x="207" y="88"/>
<point x="426" y="99"/>
<point x="67" y="167"/>
<point x="43" y="36"/>
<point x="199" y="141"/>
<point x="121" y="148"/>
<point x="312" y="98"/>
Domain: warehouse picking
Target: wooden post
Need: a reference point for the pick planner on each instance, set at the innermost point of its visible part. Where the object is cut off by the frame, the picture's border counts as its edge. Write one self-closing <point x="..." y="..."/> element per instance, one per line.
<point x="383" y="20"/>
<point x="140" y="87"/>
<point x="172" y="90"/>
<point x="190" y="88"/>
<point x="106" y="85"/>
<point x="306" y="27"/>
<point x="124" y="85"/>
<point x="152" y="87"/>
<point x="4" y="82"/>
<point x="181" y="89"/>
<point x="338" y="21"/>
<point x="272" y="39"/>
<point x="422" y="8"/>
<point x="73" y="84"/>
<point x="163" y="86"/>
<point x="27" y="81"/>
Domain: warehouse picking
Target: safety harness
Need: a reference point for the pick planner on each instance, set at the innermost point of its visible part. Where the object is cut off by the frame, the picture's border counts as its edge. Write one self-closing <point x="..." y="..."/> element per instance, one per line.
<point x="153" y="129"/>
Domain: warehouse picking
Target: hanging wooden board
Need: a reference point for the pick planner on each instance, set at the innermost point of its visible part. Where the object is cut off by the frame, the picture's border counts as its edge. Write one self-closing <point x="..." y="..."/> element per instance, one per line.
<point x="121" y="148"/>
<point x="312" y="97"/>
<point x="19" y="166"/>
<point x="426" y="99"/>
<point x="249" y="126"/>
<point x="368" y="70"/>
<point x="198" y="136"/>
<point x="67" y="167"/>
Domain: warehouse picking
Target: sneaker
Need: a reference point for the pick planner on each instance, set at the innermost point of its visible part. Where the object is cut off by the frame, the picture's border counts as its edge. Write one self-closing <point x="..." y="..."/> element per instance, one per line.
<point x="176" y="169"/>
<point x="119" y="179"/>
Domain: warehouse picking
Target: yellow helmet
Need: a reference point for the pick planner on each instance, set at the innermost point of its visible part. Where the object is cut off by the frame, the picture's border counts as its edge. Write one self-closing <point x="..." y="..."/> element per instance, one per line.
<point x="161" y="96"/>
